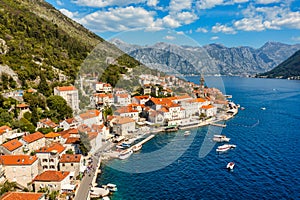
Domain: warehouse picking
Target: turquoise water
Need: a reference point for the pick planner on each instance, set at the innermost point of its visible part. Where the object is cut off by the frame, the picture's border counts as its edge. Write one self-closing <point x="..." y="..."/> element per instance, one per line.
<point x="267" y="155"/>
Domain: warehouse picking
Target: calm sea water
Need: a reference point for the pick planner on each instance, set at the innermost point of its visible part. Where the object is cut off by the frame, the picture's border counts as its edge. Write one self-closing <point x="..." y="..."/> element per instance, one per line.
<point x="267" y="156"/>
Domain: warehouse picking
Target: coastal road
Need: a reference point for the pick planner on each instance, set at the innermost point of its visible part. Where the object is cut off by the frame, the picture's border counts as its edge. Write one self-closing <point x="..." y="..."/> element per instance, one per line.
<point x="86" y="181"/>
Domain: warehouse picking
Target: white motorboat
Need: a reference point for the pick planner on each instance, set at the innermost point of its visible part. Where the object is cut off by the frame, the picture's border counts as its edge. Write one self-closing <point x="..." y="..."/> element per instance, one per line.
<point x="263" y="108"/>
<point x="221" y="138"/>
<point x="137" y="147"/>
<point x="225" y="147"/>
<point x="111" y="187"/>
<point x="98" y="192"/>
<point x="186" y="133"/>
<point x="230" y="165"/>
<point x="125" y="154"/>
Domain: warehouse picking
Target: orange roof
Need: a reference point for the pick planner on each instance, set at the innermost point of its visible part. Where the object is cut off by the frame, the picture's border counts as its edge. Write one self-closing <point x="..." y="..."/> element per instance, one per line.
<point x="72" y="140"/>
<point x="52" y="135"/>
<point x="123" y="95"/>
<point x="53" y="147"/>
<point x="66" y="88"/>
<point x="68" y="158"/>
<point x="33" y="137"/>
<point x="22" y="196"/>
<point x="17" y="159"/>
<point x="4" y="128"/>
<point x="92" y="135"/>
<point x="200" y="100"/>
<point x="141" y="97"/>
<point x="207" y="107"/>
<point x="49" y="176"/>
<point x="123" y="120"/>
<point x="90" y="114"/>
<point x="126" y="109"/>
<point x="12" y="145"/>
<point x="22" y="105"/>
<point x="164" y="109"/>
<point x="48" y="122"/>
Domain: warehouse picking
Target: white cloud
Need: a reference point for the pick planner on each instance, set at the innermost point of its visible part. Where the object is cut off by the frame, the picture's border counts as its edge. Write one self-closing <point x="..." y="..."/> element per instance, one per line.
<point x="169" y="37"/>
<point x="68" y="13"/>
<point x="105" y="3"/>
<point x="206" y="4"/>
<point x="179" y="5"/>
<point x="58" y="2"/>
<point x="223" y="28"/>
<point x="201" y="30"/>
<point x="214" y="38"/>
<point x="119" y="19"/>
<point x="267" y="1"/>
<point x="262" y="18"/>
<point x="297" y="38"/>
<point x="152" y="3"/>
<point x="186" y="17"/>
<point x="180" y="33"/>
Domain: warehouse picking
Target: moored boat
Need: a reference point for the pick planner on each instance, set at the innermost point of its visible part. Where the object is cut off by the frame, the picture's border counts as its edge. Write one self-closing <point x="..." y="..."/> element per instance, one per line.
<point x="125" y="154"/>
<point x="186" y="133"/>
<point x="230" y="165"/>
<point x="137" y="147"/>
<point x="221" y="138"/>
<point x="98" y="192"/>
<point x="111" y="187"/>
<point x="225" y="147"/>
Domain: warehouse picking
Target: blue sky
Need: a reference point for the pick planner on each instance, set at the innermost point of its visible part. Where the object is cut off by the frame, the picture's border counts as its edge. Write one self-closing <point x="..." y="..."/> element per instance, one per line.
<point x="229" y="22"/>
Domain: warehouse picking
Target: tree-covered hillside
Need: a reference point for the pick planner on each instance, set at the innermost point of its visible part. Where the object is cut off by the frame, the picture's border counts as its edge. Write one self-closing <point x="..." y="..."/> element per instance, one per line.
<point x="290" y="68"/>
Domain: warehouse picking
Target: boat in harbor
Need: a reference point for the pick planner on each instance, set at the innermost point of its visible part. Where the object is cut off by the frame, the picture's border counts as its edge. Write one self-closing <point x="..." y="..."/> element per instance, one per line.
<point x="242" y="108"/>
<point x="137" y="147"/>
<point x="263" y="108"/>
<point x="230" y="165"/>
<point x="96" y="192"/>
<point x="225" y="147"/>
<point x="125" y="154"/>
<point x="111" y="187"/>
<point x="186" y="133"/>
<point x="221" y="138"/>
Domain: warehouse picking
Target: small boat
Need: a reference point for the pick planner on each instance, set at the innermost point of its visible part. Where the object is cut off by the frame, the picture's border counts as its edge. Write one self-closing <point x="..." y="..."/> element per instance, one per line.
<point x="105" y="198"/>
<point x="120" y="147"/>
<point x="136" y="148"/>
<point x="221" y="138"/>
<point x="125" y="154"/>
<point x="98" y="192"/>
<point x="124" y="144"/>
<point x="263" y="108"/>
<point x="186" y="133"/>
<point x="111" y="187"/>
<point x="230" y="165"/>
<point x="242" y="108"/>
<point x="225" y="147"/>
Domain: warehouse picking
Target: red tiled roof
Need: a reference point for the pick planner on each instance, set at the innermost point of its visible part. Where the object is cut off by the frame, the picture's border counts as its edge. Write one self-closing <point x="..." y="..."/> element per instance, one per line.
<point x="207" y="107"/>
<point x="33" y="137"/>
<point x="66" y="88"/>
<point x="4" y="128"/>
<point x="22" y="105"/>
<point x="90" y="114"/>
<point x="123" y="120"/>
<point x="52" y="135"/>
<point x="123" y="95"/>
<point x="48" y="122"/>
<point x="141" y="97"/>
<point x="53" y="147"/>
<point x="126" y="109"/>
<point x="17" y="159"/>
<point x="68" y="158"/>
<point x="92" y="135"/>
<point x="52" y="176"/>
<point x="12" y="145"/>
<point x="72" y="140"/>
<point x="22" y="196"/>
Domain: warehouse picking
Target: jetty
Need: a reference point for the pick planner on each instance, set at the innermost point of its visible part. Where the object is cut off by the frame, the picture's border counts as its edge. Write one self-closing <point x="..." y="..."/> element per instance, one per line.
<point x="143" y="141"/>
<point x="220" y="125"/>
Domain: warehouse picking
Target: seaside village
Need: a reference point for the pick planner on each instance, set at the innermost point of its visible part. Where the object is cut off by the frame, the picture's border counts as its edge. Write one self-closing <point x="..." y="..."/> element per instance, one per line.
<point x="44" y="163"/>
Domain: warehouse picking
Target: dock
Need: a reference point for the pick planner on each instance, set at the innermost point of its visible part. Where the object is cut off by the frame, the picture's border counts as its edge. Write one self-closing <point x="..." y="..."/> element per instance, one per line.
<point x="143" y="141"/>
<point x="220" y="125"/>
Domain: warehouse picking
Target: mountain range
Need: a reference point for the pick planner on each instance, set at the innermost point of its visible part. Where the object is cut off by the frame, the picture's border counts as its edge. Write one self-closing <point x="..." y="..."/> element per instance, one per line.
<point x="210" y="59"/>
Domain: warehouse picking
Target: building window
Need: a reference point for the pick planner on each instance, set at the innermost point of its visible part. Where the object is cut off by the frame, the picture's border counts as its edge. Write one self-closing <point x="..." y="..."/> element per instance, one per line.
<point x="71" y="164"/>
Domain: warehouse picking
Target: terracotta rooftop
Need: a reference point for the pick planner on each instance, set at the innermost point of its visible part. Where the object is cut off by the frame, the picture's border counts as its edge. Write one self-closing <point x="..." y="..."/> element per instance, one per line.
<point x="54" y="147"/>
<point x="12" y="145"/>
<point x="52" y="135"/>
<point x="123" y="120"/>
<point x="89" y="114"/>
<point x="141" y="97"/>
<point x="22" y="105"/>
<point x="92" y="135"/>
<point x="126" y="109"/>
<point x="51" y="176"/>
<point x="22" y="196"/>
<point x="17" y="159"/>
<point x="66" y="88"/>
<point x="72" y="140"/>
<point x="70" y="158"/>
<point x="207" y="107"/>
<point x="4" y="128"/>
<point x="48" y="122"/>
<point x="33" y="137"/>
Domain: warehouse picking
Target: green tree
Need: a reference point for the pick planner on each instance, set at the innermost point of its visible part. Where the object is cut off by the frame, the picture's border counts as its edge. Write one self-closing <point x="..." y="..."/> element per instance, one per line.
<point x="59" y="106"/>
<point x="43" y="86"/>
<point x="84" y="145"/>
<point x="7" y="186"/>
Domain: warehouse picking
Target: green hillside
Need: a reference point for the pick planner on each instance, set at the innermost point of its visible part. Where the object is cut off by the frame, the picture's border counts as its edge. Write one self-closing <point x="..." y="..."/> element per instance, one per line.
<point x="36" y="40"/>
<point x="290" y="69"/>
